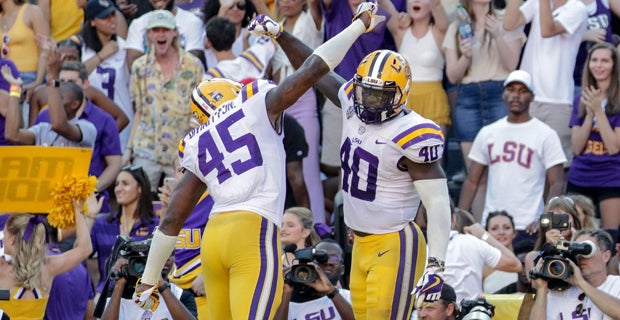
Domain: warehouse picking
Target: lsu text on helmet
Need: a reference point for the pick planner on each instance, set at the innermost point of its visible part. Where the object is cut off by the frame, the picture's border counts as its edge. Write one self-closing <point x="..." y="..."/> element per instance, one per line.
<point x="381" y="85"/>
<point x="210" y="94"/>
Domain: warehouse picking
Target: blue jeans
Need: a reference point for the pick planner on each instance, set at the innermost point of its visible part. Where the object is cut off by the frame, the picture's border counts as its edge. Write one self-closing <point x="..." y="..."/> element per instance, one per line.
<point x="477" y="105"/>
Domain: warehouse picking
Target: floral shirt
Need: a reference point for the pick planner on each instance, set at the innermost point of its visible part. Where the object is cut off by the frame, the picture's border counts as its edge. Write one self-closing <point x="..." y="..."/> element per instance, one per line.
<point x="163" y="105"/>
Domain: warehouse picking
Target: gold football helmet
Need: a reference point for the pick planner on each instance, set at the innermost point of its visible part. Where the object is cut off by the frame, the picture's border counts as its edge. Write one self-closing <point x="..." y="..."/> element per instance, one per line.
<point x="381" y="85"/>
<point x="210" y="94"/>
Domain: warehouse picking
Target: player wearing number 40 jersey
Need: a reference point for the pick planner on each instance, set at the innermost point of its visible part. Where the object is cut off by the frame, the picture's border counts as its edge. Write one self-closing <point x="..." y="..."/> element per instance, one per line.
<point x="238" y="155"/>
<point x="389" y="158"/>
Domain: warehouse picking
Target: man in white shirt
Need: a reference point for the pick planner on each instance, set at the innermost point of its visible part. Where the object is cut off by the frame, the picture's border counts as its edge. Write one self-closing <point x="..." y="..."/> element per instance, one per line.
<point x="549" y="56"/>
<point x="191" y="33"/>
<point x="593" y="294"/>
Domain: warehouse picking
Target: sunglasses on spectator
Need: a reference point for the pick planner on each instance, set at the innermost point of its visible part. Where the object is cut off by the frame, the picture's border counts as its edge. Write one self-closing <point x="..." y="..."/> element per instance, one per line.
<point x="133" y="168"/>
<point x="239" y="5"/>
<point x="567" y="200"/>
<point x="5" y="45"/>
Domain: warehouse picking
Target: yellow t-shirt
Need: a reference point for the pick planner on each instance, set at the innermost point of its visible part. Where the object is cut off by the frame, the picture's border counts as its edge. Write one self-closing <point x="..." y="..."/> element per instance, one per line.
<point x="66" y="19"/>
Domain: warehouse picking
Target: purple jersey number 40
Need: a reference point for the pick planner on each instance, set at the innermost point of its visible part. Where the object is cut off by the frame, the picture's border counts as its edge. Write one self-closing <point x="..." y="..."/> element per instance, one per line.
<point x="352" y="171"/>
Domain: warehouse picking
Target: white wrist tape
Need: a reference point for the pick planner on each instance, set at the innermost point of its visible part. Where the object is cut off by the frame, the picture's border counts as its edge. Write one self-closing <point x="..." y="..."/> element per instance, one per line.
<point x="161" y="248"/>
<point x="334" y="50"/>
<point x="436" y="199"/>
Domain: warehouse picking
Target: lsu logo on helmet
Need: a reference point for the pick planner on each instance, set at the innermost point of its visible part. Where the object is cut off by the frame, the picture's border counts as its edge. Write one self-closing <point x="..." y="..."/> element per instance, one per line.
<point x="211" y="94"/>
<point x="381" y="86"/>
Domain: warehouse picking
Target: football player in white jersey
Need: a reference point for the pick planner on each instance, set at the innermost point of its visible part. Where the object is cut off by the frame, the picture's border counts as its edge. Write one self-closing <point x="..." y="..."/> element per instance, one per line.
<point x="242" y="271"/>
<point x="389" y="162"/>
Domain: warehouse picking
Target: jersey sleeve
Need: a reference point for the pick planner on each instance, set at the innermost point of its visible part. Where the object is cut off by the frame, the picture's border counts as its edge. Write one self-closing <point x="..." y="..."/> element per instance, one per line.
<point x="188" y="152"/>
<point x="257" y="57"/>
<point x="421" y="143"/>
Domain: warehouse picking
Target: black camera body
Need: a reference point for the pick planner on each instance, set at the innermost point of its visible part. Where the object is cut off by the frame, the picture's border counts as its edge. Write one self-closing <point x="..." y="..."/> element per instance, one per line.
<point x="134" y="251"/>
<point x="303" y="271"/>
<point x="479" y="309"/>
<point x="550" y="220"/>
<point x="556" y="267"/>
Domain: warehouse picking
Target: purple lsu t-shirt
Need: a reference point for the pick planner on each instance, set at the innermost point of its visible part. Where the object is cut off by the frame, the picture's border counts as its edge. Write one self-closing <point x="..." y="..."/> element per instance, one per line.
<point x="337" y="19"/>
<point x="107" y="142"/>
<point x="5" y="86"/>
<point x="594" y="167"/>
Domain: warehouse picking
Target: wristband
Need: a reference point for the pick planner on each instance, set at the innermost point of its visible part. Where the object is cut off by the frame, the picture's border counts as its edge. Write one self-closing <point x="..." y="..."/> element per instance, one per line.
<point x="332" y="294"/>
<point x="15" y="88"/>
<point x="163" y="287"/>
<point x="15" y="94"/>
<point x="485" y="236"/>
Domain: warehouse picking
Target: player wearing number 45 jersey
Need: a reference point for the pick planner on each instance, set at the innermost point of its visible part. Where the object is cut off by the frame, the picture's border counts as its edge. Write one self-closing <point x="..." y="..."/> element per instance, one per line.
<point x="238" y="155"/>
<point x="389" y="161"/>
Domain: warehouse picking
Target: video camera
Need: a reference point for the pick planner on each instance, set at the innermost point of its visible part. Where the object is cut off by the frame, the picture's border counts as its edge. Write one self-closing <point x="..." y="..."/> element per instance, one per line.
<point x="479" y="309"/>
<point x="555" y="261"/>
<point x="304" y="271"/>
<point x="134" y="251"/>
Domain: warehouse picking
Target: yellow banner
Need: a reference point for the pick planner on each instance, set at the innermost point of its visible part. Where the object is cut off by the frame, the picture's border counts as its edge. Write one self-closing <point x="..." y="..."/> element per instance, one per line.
<point x="28" y="174"/>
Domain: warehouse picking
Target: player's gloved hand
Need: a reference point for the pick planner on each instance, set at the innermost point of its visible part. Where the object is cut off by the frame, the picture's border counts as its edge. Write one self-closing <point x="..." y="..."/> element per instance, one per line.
<point x="263" y="25"/>
<point x="371" y="7"/>
<point x="147" y="299"/>
<point x="429" y="286"/>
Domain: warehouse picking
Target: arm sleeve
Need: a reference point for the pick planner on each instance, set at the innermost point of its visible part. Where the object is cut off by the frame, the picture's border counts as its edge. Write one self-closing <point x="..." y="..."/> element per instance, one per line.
<point x="89" y="133"/>
<point x="477" y="152"/>
<point x="573" y="16"/>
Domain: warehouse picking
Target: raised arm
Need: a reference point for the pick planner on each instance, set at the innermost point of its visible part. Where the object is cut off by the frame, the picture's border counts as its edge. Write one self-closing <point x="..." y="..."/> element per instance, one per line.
<point x="12" y="131"/>
<point x="513" y="17"/>
<point x="393" y="22"/>
<point x="549" y="27"/>
<point x="297" y="53"/>
<point x="108" y="105"/>
<point x="83" y="247"/>
<point x="58" y="115"/>
<point x="325" y="58"/>
<point x="41" y="28"/>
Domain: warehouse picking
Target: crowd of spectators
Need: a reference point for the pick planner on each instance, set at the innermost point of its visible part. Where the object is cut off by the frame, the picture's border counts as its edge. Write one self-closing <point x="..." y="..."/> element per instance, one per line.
<point x="117" y="77"/>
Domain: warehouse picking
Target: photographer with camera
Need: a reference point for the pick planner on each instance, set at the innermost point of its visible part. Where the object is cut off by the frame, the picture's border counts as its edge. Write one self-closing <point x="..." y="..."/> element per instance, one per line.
<point x="591" y="293"/>
<point x="176" y="304"/>
<point x="312" y="289"/>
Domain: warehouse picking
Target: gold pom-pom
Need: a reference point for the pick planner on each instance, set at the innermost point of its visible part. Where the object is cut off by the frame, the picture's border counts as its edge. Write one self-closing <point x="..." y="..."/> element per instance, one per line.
<point x="61" y="215"/>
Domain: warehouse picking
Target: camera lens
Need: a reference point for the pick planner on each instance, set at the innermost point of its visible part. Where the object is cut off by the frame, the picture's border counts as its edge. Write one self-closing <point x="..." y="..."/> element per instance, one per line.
<point x="557" y="268"/>
<point x="303" y="274"/>
<point x="138" y="266"/>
